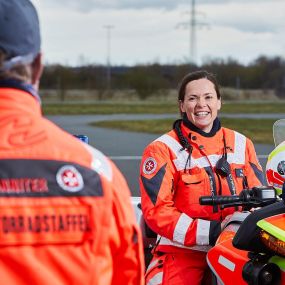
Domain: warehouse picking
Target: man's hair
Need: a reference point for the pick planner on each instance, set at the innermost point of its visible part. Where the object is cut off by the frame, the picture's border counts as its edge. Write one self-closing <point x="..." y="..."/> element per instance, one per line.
<point x="196" y="75"/>
<point x="19" y="72"/>
<point x="20" y="39"/>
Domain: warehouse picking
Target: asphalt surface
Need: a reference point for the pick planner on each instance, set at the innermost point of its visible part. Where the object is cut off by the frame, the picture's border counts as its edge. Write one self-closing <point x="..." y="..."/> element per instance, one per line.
<point x="125" y="148"/>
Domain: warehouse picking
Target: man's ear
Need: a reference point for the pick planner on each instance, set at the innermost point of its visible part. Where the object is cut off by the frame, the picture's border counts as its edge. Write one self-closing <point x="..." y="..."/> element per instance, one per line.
<point x="37" y="70"/>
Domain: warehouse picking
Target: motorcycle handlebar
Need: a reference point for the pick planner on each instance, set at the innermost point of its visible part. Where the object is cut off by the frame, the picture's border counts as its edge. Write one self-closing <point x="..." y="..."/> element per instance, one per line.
<point x="257" y="195"/>
<point x="219" y="200"/>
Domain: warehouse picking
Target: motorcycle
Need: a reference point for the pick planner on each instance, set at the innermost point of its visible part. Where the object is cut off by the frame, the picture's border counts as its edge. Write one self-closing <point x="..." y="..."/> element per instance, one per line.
<point x="149" y="236"/>
<point x="251" y="247"/>
<point x="231" y="265"/>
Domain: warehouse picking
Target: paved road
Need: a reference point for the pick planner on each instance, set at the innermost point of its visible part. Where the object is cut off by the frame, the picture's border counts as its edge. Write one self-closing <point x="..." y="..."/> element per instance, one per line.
<point x="125" y="148"/>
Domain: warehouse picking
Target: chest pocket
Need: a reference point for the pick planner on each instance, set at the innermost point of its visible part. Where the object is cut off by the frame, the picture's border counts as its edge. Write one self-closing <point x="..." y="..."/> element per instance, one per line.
<point x="189" y="179"/>
<point x="191" y="186"/>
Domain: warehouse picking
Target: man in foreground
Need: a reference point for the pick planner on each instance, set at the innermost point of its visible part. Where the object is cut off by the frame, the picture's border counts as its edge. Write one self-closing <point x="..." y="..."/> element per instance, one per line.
<point x="65" y="215"/>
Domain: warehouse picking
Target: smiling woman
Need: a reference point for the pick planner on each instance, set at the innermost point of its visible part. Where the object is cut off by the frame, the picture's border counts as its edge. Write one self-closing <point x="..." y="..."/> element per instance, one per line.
<point x="200" y="100"/>
<point x="198" y="157"/>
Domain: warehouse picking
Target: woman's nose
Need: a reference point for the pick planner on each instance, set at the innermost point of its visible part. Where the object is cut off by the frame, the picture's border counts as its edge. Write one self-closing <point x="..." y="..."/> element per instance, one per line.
<point x="201" y="101"/>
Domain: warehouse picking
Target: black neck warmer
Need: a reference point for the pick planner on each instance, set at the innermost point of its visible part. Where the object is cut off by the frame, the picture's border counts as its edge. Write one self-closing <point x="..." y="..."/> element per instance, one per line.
<point x="216" y="127"/>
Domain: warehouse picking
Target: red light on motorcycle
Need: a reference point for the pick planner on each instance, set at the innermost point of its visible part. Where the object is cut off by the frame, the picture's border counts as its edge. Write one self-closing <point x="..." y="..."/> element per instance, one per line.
<point x="273" y="243"/>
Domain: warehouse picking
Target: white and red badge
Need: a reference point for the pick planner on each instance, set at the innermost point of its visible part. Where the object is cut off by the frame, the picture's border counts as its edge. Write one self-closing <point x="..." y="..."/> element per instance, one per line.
<point x="149" y="165"/>
<point x="69" y="179"/>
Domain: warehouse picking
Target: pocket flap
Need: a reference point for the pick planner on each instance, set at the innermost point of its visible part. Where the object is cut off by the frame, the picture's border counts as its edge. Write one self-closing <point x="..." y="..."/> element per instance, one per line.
<point x="192" y="178"/>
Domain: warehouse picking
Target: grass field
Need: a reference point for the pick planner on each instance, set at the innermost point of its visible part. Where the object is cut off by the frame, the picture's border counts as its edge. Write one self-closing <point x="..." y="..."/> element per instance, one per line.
<point x="254" y="129"/>
<point x="153" y="108"/>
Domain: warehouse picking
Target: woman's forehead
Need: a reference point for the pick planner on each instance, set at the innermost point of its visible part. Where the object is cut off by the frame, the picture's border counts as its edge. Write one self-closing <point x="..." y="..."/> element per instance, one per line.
<point x="200" y="87"/>
<point x="200" y="84"/>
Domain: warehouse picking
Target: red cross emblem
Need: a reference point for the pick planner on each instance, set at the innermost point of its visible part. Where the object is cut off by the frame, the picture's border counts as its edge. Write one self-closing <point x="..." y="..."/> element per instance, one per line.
<point x="69" y="178"/>
<point x="149" y="165"/>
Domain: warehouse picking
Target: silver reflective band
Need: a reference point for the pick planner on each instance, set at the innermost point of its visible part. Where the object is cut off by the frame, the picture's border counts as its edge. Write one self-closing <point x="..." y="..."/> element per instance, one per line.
<point x="226" y="263"/>
<point x="151" y="265"/>
<point x="156" y="279"/>
<point x="238" y="156"/>
<point x="100" y="162"/>
<point x="202" y="234"/>
<point x="17" y="60"/>
<point x="181" y="228"/>
<point x="166" y="241"/>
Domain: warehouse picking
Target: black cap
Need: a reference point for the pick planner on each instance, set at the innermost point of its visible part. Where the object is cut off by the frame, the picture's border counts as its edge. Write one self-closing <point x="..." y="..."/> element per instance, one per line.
<point x="19" y="32"/>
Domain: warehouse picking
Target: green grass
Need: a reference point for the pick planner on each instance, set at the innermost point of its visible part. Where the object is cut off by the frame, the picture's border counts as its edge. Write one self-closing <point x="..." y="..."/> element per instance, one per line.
<point x="153" y="108"/>
<point x="109" y="108"/>
<point x="258" y="132"/>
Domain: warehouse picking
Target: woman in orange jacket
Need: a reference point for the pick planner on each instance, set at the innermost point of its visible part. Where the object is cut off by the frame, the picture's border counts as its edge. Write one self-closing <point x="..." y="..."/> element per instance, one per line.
<point x="198" y="157"/>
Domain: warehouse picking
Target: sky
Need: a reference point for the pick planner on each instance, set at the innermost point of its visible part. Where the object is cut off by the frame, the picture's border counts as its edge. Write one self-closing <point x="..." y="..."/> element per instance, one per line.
<point x="130" y="32"/>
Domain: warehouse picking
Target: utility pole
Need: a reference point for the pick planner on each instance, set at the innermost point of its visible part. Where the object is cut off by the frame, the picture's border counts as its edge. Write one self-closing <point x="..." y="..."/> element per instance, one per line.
<point x="192" y="25"/>
<point x="108" y="75"/>
<point x="193" y="33"/>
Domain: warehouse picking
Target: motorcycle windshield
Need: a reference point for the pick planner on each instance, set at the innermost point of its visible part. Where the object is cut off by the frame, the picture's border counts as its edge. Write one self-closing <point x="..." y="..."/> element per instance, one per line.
<point x="279" y="132"/>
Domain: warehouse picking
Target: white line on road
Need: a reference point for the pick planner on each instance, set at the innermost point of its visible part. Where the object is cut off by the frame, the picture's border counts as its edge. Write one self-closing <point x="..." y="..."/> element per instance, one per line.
<point x="125" y="157"/>
<point x="262" y="156"/>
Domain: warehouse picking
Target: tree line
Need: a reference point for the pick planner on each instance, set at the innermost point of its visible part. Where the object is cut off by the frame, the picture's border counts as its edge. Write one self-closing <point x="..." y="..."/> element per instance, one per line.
<point x="263" y="73"/>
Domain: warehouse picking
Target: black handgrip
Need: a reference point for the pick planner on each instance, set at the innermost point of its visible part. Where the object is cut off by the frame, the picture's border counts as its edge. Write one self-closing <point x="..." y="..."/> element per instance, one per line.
<point x="219" y="200"/>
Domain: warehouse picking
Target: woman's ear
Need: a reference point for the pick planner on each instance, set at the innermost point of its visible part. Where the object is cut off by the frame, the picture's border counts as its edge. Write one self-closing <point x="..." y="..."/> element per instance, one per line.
<point x="181" y="106"/>
<point x="219" y="104"/>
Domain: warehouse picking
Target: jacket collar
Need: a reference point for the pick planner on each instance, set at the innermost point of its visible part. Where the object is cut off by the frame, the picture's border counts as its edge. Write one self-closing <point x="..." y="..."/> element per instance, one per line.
<point x="17" y="84"/>
<point x="17" y="100"/>
<point x="216" y="127"/>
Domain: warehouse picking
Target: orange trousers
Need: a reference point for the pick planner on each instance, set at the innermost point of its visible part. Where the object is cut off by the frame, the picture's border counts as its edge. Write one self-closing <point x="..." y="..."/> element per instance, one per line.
<point x="178" y="269"/>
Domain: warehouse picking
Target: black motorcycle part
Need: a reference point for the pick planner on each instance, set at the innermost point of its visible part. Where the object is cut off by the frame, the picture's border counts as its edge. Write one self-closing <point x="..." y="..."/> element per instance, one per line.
<point x="259" y="273"/>
<point x="247" y="236"/>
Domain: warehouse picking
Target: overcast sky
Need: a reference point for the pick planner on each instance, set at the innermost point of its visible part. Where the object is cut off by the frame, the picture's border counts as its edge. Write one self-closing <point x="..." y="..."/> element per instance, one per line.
<point x="146" y="31"/>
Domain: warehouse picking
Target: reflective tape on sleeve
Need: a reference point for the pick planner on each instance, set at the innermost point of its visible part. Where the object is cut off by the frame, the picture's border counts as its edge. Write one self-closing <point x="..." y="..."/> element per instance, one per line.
<point x="202" y="234"/>
<point x="163" y="241"/>
<point x="181" y="228"/>
<point x="156" y="279"/>
<point x="100" y="162"/>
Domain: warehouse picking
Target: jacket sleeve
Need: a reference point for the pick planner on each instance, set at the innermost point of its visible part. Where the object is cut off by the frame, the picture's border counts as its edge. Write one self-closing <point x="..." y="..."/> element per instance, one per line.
<point x="254" y="172"/>
<point x="158" y="182"/>
<point x="125" y="236"/>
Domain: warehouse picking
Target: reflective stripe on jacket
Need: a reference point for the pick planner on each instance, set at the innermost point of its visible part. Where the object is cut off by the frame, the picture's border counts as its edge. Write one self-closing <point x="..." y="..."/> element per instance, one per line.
<point x="171" y="183"/>
<point x="65" y="215"/>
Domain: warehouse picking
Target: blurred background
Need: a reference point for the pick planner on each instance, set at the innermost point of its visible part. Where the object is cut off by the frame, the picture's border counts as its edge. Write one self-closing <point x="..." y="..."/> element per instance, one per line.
<point x="113" y="67"/>
<point x="145" y="47"/>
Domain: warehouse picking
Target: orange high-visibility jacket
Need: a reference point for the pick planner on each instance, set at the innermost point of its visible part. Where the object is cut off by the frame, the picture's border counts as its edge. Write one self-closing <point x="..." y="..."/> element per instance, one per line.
<point x="65" y="214"/>
<point x="171" y="183"/>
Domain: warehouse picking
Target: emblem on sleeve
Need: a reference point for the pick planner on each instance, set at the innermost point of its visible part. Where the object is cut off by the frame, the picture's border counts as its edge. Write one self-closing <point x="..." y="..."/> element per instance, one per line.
<point x="149" y="165"/>
<point x="69" y="178"/>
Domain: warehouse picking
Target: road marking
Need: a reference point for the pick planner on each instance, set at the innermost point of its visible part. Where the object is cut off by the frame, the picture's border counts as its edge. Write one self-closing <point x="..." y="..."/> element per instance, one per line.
<point x="125" y="157"/>
<point x="262" y="156"/>
<point x="128" y="157"/>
